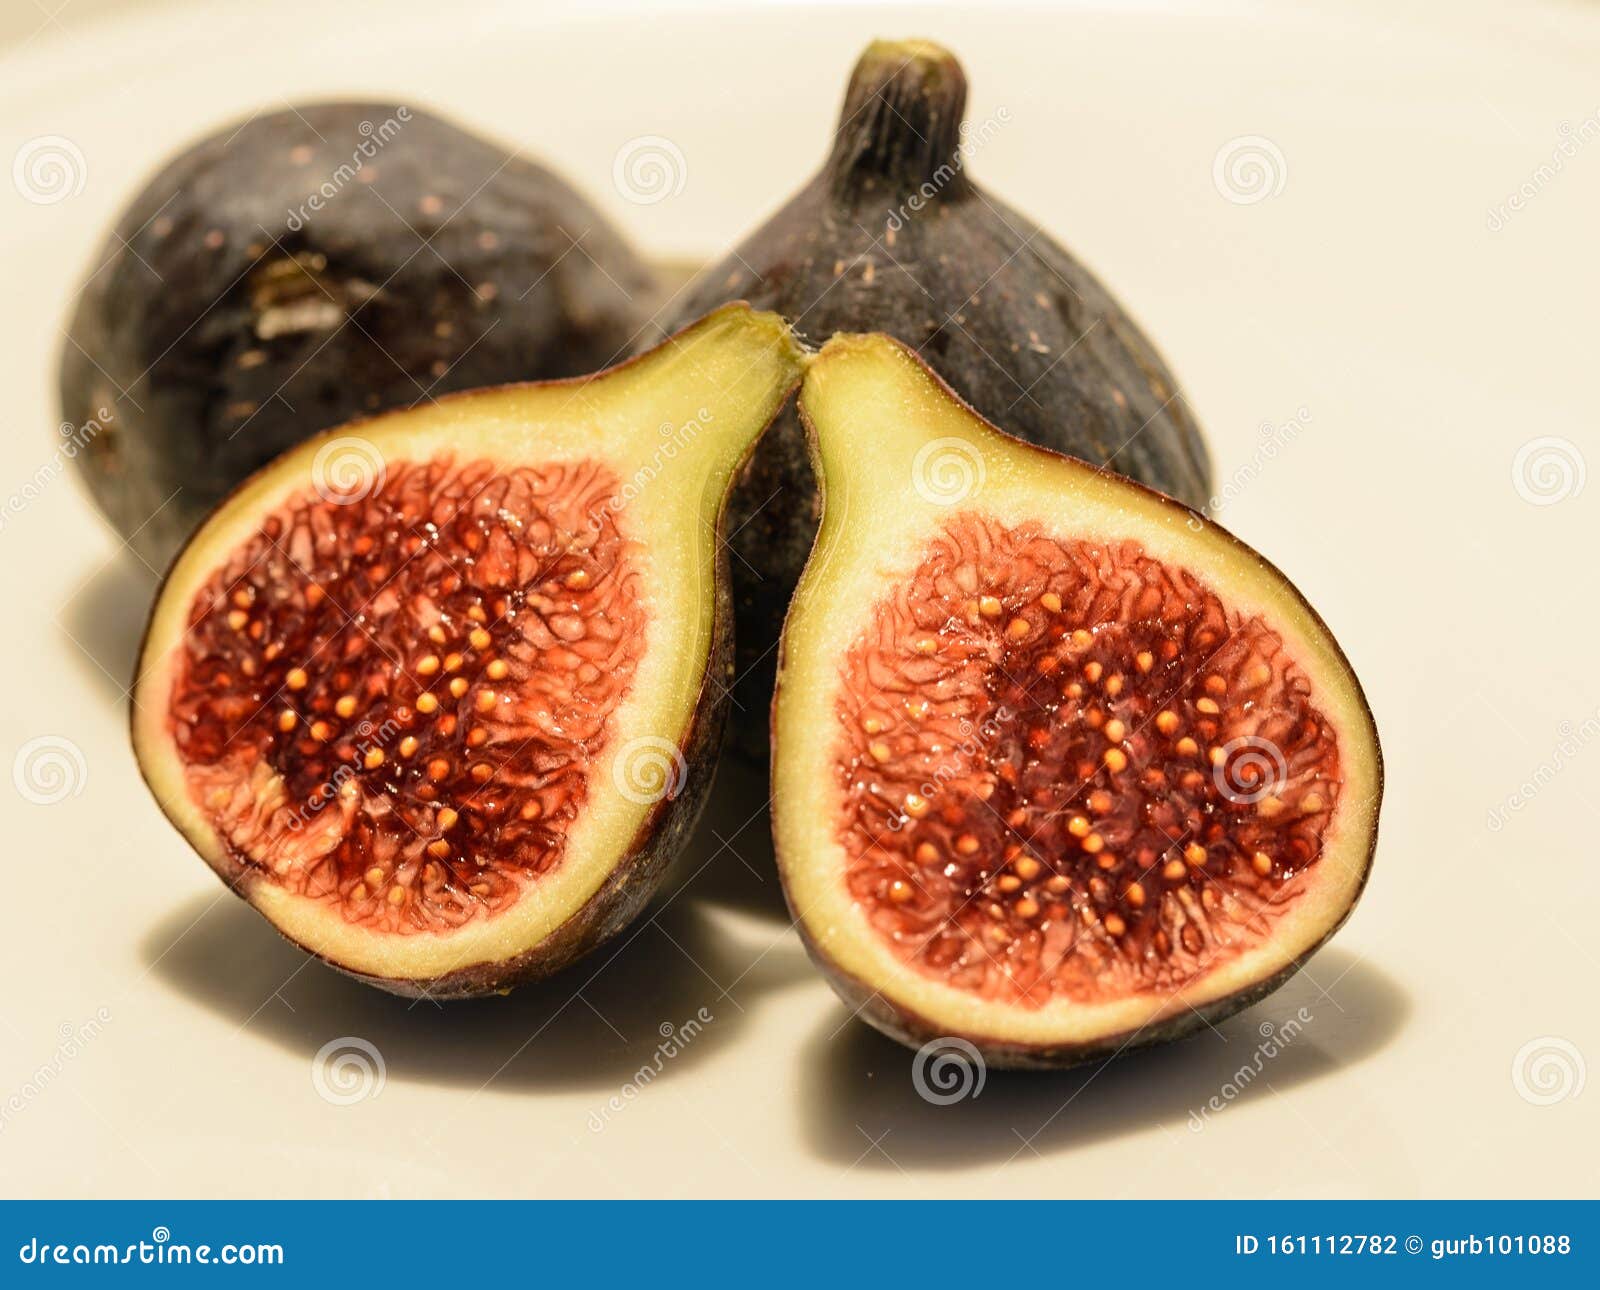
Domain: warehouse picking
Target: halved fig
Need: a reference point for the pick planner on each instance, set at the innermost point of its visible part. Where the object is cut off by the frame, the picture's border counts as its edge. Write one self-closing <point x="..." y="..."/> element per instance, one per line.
<point x="438" y="692"/>
<point x="1060" y="767"/>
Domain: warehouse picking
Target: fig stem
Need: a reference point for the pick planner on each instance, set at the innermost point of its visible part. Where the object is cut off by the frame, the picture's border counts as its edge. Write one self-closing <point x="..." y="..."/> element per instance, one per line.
<point x="900" y="127"/>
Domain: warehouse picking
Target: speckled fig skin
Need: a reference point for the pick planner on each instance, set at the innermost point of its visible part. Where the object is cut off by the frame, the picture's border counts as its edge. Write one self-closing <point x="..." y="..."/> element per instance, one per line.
<point x="908" y="1027"/>
<point x="892" y="236"/>
<point x="226" y="319"/>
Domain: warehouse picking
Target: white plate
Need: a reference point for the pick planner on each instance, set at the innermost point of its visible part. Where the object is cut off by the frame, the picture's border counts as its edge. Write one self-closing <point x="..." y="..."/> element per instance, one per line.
<point x="1422" y="340"/>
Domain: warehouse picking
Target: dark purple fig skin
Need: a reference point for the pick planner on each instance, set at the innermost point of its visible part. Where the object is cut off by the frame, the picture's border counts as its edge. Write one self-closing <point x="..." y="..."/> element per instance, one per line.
<point x="892" y="236"/>
<point x="906" y="1026"/>
<point x="225" y="319"/>
<point x="910" y="1028"/>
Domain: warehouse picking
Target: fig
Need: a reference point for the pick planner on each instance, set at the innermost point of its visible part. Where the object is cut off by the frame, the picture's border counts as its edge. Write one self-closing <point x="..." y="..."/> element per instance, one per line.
<point x="438" y="692"/>
<point x="1060" y="767"/>
<point x="319" y="263"/>
<point x="894" y="236"/>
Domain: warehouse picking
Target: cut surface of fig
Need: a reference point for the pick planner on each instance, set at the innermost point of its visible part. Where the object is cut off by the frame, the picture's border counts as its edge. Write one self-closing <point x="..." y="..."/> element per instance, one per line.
<point x="436" y="692"/>
<point x="393" y="704"/>
<point x="1060" y="766"/>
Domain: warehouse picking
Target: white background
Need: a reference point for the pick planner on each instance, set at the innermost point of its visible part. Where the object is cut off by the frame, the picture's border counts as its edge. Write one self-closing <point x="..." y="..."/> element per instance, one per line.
<point x="1426" y="348"/>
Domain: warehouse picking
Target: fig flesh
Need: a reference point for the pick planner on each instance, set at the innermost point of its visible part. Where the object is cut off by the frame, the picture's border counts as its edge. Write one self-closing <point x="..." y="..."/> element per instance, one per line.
<point x="438" y="692"/>
<point x="315" y="264"/>
<point x="894" y="236"/>
<point x="1060" y="767"/>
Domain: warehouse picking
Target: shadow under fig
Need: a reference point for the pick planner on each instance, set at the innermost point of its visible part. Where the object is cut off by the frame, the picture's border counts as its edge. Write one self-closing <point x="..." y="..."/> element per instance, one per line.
<point x="857" y="1085"/>
<point x="592" y="1026"/>
<point x="104" y="621"/>
<point x="729" y="862"/>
